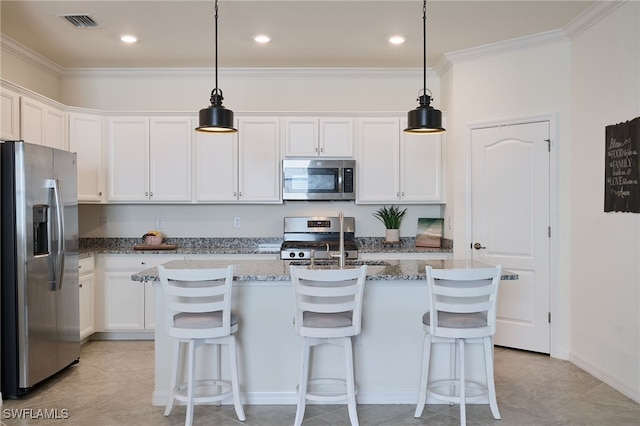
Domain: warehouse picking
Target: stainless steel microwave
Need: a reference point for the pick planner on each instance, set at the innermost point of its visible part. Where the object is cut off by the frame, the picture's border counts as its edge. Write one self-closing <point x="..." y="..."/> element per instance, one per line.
<point x="315" y="179"/>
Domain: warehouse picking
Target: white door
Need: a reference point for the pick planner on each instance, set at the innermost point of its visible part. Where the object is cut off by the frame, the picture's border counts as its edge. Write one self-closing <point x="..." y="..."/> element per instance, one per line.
<point x="510" y="226"/>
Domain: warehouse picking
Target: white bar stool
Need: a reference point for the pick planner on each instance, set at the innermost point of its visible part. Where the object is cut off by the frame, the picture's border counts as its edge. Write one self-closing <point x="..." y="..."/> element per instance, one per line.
<point x="462" y="309"/>
<point x="198" y="312"/>
<point x="328" y="310"/>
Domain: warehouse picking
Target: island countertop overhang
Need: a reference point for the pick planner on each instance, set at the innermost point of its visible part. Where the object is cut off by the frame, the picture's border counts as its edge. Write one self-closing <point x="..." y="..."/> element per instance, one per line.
<point x="265" y="270"/>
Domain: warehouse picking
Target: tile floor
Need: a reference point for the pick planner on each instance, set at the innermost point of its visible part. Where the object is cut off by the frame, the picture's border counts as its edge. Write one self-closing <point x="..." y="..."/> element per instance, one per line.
<point x="113" y="383"/>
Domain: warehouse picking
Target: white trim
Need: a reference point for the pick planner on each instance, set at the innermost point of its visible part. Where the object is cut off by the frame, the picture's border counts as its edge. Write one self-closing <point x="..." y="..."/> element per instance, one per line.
<point x="626" y="389"/>
<point x="590" y="16"/>
<point x="554" y="269"/>
<point x="30" y="56"/>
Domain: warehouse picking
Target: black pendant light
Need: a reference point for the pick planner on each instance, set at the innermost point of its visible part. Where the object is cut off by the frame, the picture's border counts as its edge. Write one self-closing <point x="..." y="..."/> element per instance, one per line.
<point x="216" y="118"/>
<point x="425" y="118"/>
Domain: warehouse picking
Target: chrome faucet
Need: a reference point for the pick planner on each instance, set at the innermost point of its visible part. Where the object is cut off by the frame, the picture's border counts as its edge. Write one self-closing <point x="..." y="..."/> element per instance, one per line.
<point x="340" y="254"/>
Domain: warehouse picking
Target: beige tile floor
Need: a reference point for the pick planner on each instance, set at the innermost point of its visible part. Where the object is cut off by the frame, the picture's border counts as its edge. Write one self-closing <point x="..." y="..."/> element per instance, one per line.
<point x="113" y="382"/>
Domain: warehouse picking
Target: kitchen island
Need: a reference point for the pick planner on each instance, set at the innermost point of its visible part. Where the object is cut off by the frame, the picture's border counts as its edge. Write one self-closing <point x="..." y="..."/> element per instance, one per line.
<point x="387" y="353"/>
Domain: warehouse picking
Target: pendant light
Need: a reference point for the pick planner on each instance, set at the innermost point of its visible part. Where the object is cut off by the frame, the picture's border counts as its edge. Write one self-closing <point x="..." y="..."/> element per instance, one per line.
<point x="216" y="118"/>
<point x="425" y="118"/>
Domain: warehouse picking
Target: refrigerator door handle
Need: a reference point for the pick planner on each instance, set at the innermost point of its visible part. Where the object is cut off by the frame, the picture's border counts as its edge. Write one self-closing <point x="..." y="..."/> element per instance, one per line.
<point x="59" y="209"/>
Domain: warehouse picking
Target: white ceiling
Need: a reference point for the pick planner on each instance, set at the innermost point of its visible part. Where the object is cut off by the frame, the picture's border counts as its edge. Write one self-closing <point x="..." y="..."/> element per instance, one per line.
<point x="321" y="33"/>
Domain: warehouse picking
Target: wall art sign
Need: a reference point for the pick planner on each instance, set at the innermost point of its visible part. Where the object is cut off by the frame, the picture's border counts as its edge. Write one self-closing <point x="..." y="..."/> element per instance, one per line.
<point x="622" y="167"/>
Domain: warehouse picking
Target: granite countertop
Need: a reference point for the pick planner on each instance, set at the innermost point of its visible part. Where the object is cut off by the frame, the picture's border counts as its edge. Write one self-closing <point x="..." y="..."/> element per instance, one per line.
<point x="90" y="246"/>
<point x="278" y="270"/>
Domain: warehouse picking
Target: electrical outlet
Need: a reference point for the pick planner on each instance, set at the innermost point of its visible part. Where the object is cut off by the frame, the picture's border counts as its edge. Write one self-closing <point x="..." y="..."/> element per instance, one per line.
<point x="104" y="223"/>
<point x="159" y="222"/>
<point x="236" y="222"/>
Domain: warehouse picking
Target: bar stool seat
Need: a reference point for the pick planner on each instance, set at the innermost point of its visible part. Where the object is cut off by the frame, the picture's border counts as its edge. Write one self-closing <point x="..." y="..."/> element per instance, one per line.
<point x="328" y="310"/>
<point x="462" y="309"/>
<point x="198" y="313"/>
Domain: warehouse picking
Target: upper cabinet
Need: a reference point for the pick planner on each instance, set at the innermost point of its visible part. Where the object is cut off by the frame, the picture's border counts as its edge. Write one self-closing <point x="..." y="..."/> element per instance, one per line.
<point x="395" y="167"/>
<point x="85" y="139"/>
<point x="42" y="124"/>
<point x="239" y="167"/>
<point x="149" y="159"/>
<point x="10" y="112"/>
<point x="313" y="137"/>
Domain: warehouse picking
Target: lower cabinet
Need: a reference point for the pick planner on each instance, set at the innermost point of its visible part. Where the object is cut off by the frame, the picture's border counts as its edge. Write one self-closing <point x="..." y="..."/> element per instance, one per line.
<point x="87" y="299"/>
<point x="128" y="306"/>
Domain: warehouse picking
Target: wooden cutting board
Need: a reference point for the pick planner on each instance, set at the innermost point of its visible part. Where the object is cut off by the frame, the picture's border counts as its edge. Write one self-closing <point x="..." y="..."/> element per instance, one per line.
<point x="156" y="247"/>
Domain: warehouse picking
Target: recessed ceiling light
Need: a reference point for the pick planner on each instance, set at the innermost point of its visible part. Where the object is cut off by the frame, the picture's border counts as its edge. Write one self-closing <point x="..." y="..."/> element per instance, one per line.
<point x="127" y="38"/>
<point x="262" y="39"/>
<point x="398" y="39"/>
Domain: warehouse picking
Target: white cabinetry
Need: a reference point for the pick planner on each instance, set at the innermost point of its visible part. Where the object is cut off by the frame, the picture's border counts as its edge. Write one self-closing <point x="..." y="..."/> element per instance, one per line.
<point x="85" y="139"/>
<point x="87" y="299"/>
<point x="326" y="137"/>
<point x="129" y="306"/>
<point x="242" y="167"/>
<point x="394" y="167"/>
<point x="149" y="159"/>
<point x="42" y="124"/>
<point x="10" y="111"/>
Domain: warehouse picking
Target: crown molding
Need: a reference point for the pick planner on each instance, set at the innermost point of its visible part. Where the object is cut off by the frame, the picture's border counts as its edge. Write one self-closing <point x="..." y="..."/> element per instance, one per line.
<point x="590" y="16"/>
<point x="580" y="23"/>
<point x="30" y="56"/>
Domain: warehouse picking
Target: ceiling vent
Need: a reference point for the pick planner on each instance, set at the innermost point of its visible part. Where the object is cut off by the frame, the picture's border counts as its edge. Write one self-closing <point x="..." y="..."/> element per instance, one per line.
<point x="80" y="21"/>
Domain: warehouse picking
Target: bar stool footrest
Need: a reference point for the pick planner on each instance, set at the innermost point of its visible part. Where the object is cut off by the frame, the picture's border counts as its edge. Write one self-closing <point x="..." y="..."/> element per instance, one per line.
<point x="449" y="390"/>
<point x="204" y="391"/>
<point x="327" y="390"/>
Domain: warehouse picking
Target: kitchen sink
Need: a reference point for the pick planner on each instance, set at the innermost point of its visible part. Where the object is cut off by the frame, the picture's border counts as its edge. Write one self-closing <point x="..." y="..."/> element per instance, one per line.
<point x="326" y="262"/>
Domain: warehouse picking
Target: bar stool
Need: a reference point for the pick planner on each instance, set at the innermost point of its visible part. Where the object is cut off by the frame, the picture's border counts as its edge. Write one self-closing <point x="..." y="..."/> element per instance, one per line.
<point x="328" y="310"/>
<point x="198" y="312"/>
<point x="462" y="309"/>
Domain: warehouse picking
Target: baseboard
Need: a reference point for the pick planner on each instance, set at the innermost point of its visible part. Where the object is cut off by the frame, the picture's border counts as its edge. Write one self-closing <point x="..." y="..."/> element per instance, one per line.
<point x="602" y="375"/>
<point x="123" y="335"/>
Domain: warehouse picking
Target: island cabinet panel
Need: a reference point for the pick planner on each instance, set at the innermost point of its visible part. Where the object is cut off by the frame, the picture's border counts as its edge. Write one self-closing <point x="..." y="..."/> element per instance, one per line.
<point x="42" y="124"/>
<point x="126" y="305"/>
<point x="318" y="137"/>
<point x="149" y="159"/>
<point x="396" y="167"/>
<point x="10" y="115"/>
<point x="85" y="139"/>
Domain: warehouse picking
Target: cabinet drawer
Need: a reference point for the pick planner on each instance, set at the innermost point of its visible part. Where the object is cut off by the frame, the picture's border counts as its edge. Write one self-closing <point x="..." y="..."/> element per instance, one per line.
<point x="86" y="265"/>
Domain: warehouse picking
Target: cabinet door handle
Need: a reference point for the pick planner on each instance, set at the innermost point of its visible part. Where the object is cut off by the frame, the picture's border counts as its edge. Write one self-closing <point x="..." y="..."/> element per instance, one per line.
<point x="146" y="194"/>
<point x="80" y="285"/>
<point x="316" y="149"/>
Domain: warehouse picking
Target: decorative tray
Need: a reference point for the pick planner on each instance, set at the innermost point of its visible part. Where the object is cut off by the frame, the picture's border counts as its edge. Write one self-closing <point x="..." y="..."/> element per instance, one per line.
<point x="155" y="247"/>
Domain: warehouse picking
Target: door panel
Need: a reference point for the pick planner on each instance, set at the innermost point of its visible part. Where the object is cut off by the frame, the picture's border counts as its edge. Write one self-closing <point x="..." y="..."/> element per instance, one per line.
<point x="510" y="226"/>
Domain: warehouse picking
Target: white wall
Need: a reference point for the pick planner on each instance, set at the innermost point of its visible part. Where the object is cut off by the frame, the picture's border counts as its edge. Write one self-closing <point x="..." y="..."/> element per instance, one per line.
<point x="217" y="220"/>
<point x="507" y="86"/>
<point x="604" y="255"/>
<point x="29" y="72"/>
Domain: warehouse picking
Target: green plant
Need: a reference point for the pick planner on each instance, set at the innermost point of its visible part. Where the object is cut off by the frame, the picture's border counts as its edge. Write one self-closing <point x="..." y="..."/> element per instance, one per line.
<point x="390" y="216"/>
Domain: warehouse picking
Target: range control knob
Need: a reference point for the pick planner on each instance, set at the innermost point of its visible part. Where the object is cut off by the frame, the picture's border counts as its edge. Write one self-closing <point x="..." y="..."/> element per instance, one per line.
<point x="292" y="254"/>
<point x="301" y="254"/>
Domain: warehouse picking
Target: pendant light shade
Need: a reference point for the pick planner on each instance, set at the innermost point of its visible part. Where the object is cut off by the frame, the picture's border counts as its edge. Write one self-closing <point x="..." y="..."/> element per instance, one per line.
<point x="425" y="118"/>
<point x="216" y="118"/>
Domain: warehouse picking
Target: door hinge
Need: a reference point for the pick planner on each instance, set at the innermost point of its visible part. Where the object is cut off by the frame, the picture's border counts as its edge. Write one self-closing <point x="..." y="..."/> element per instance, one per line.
<point x="548" y="141"/>
<point x="549" y="316"/>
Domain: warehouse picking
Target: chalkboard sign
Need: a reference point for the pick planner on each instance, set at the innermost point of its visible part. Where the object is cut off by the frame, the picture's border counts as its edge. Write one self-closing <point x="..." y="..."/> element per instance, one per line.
<point x="622" y="165"/>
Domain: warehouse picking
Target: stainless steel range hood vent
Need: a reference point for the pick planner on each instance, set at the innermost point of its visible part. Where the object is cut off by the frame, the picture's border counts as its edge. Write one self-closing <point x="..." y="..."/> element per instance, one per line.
<point x="80" y="21"/>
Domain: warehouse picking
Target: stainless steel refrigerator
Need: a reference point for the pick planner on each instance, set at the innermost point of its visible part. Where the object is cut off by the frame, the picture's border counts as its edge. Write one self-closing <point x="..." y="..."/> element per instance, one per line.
<point x="39" y="268"/>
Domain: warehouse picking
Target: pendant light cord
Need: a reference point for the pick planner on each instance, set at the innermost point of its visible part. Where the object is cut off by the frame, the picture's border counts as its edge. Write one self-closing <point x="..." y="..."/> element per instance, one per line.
<point x="216" y="44"/>
<point x="424" y="41"/>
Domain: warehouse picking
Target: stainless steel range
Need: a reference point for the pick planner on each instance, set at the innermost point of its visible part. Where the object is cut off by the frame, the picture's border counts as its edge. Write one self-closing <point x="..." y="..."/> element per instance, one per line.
<point x="320" y="234"/>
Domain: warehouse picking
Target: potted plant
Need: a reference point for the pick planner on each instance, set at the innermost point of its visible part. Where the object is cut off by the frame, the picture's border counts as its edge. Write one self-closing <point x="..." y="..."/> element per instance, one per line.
<point x="391" y="217"/>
